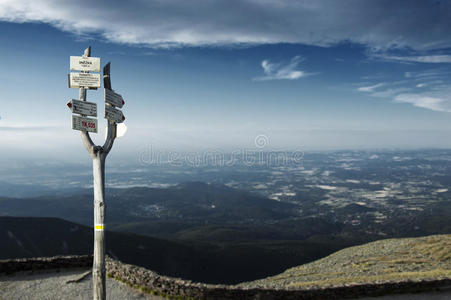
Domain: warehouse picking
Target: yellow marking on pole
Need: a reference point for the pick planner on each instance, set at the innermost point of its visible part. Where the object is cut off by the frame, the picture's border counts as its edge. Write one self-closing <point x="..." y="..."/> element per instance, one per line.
<point x="99" y="227"/>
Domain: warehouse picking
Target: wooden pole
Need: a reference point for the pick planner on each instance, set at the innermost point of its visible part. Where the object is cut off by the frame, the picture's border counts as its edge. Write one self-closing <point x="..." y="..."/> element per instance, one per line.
<point x="98" y="268"/>
<point x="98" y="155"/>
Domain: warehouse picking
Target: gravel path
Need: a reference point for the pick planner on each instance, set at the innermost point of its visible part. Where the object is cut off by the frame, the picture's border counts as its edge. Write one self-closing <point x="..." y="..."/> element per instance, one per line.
<point x="52" y="285"/>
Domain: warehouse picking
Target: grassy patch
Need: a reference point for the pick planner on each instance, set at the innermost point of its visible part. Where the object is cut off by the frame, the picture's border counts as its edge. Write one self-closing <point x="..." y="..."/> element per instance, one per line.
<point x="438" y="249"/>
<point x="392" y="277"/>
<point x="297" y="275"/>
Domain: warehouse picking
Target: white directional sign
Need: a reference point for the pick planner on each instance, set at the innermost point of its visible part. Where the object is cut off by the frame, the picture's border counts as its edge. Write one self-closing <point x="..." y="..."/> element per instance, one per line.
<point x="113" y="98"/>
<point x="86" y="80"/>
<point x="84" y="124"/>
<point x="113" y="114"/>
<point x="80" y="63"/>
<point x="83" y="107"/>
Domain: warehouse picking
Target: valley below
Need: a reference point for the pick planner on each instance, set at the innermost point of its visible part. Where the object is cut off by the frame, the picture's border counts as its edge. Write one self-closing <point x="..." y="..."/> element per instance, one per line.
<point x="231" y="224"/>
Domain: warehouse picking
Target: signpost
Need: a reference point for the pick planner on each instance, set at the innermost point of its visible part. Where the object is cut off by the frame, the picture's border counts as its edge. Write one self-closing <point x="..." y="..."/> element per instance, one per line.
<point x="83" y="107"/>
<point x="84" y="81"/>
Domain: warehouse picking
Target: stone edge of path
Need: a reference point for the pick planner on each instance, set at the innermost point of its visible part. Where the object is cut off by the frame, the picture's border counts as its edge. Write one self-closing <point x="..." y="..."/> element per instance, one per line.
<point x="152" y="283"/>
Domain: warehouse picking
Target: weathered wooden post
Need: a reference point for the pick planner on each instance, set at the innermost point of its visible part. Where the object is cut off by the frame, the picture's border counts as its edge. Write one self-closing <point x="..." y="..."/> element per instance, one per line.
<point x="85" y="80"/>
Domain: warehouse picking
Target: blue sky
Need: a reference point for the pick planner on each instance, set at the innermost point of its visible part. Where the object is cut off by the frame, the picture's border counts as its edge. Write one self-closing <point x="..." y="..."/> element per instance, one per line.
<point x="195" y="75"/>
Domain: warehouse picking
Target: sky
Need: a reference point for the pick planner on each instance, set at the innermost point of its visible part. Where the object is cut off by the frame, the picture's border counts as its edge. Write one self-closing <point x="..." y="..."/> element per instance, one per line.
<point x="199" y="75"/>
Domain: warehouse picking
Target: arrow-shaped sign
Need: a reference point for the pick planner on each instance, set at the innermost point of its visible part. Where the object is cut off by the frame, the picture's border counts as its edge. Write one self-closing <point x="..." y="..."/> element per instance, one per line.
<point x="83" y="107"/>
<point x="113" y="114"/>
<point x="113" y="98"/>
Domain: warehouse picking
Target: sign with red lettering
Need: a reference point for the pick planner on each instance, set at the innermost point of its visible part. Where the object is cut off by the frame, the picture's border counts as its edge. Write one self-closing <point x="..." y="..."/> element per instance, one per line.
<point x="84" y="124"/>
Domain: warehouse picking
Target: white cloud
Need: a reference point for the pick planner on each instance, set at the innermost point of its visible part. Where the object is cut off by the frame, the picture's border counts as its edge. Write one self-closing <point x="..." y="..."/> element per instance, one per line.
<point x="435" y="97"/>
<point x="423" y="89"/>
<point x="432" y="102"/>
<point x="431" y="75"/>
<point x="390" y="92"/>
<point x="385" y="93"/>
<point x="275" y="71"/>
<point x="370" y="88"/>
<point x="378" y="24"/>
<point x="433" y="59"/>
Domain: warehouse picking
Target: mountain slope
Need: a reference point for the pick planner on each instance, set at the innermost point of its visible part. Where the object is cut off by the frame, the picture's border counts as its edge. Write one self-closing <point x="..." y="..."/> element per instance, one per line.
<point x="190" y="202"/>
<point x="391" y="260"/>
<point x="32" y="237"/>
<point x="205" y="262"/>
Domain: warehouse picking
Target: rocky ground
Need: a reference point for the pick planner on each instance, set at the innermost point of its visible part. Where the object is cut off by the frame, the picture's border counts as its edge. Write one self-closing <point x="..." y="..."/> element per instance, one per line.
<point x="51" y="285"/>
<point x="391" y="260"/>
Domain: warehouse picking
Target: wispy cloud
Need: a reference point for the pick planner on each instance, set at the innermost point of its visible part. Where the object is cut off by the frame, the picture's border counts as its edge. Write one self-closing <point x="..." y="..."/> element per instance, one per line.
<point x="436" y="103"/>
<point x="370" y="88"/>
<point x="433" y="74"/>
<point x="159" y="23"/>
<point x="387" y="93"/>
<point x="433" y="59"/>
<point x="375" y="90"/>
<point x="424" y="89"/>
<point x="275" y="71"/>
